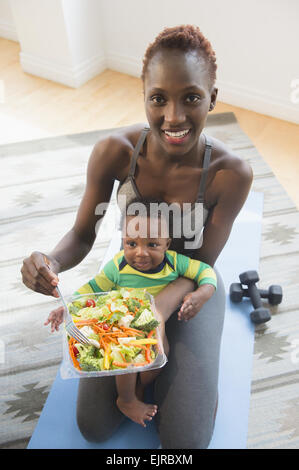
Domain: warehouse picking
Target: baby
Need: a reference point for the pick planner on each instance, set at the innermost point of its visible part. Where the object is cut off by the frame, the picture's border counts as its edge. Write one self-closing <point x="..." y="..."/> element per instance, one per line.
<point x="145" y="262"/>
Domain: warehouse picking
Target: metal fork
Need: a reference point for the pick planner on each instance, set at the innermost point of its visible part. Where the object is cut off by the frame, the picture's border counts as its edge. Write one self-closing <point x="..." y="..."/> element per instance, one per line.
<point x="70" y="326"/>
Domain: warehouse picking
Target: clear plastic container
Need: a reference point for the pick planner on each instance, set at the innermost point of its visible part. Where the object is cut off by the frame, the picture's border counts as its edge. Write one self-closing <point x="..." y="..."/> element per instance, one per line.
<point x="68" y="371"/>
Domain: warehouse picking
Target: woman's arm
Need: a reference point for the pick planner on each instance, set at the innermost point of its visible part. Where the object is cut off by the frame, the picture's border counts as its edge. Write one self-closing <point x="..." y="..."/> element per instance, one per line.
<point x="76" y="244"/>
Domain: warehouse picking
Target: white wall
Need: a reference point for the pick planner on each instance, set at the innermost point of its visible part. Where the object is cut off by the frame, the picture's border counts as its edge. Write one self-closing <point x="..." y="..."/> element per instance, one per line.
<point x="7" y="24"/>
<point x="83" y="20"/>
<point x="61" y="40"/>
<point x="41" y="29"/>
<point x="256" y="42"/>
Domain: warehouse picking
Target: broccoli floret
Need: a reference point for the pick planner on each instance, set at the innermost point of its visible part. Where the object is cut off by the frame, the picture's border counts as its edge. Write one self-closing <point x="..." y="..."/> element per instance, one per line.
<point x="132" y="304"/>
<point x="90" y="358"/>
<point x="145" y="321"/>
<point x="149" y="326"/>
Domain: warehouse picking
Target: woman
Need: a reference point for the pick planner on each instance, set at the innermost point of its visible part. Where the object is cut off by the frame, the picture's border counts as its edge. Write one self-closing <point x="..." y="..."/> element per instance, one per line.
<point x="176" y="163"/>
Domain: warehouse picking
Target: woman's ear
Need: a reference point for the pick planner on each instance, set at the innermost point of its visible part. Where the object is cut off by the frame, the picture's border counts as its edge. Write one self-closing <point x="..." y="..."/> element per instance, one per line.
<point x="214" y="94"/>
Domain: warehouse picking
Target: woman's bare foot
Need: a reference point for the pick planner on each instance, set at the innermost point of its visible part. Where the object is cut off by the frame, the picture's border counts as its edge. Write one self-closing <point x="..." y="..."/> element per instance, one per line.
<point x="136" y="410"/>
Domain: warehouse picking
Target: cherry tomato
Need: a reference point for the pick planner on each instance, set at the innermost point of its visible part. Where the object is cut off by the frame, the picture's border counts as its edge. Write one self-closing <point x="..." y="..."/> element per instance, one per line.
<point x="105" y="326"/>
<point x="90" y="303"/>
<point x="75" y="351"/>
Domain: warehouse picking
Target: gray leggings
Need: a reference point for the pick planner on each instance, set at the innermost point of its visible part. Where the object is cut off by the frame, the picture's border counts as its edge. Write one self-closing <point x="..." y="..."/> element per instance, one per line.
<point x="186" y="390"/>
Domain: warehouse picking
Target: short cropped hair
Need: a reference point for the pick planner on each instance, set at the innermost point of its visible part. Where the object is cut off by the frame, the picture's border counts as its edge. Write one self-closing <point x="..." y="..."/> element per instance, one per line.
<point x="146" y="206"/>
<point x="185" y="38"/>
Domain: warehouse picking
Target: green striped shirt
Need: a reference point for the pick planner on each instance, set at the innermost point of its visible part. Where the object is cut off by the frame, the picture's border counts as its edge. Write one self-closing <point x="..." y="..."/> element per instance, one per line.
<point x="118" y="273"/>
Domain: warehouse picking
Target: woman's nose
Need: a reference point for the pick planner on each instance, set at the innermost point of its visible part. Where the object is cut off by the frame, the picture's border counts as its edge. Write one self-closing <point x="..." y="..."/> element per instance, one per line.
<point x="174" y="114"/>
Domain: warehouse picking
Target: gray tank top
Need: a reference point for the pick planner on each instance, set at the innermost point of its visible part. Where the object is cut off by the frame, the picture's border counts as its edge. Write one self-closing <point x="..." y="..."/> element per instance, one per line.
<point x="129" y="189"/>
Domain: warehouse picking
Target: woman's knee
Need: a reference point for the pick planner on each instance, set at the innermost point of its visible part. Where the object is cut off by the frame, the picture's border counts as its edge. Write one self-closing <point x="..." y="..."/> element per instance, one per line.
<point x="178" y="431"/>
<point x="97" y="414"/>
<point x="93" y="429"/>
<point x="89" y="428"/>
<point x="198" y="440"/>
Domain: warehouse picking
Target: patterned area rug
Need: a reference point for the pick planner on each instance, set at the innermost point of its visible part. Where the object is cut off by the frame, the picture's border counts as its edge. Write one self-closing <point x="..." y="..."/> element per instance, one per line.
<point x="41" y="187"/>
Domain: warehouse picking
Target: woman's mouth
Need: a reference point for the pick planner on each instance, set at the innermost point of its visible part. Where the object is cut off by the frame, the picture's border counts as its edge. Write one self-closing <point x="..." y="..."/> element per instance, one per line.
<point x="176" y="137"/>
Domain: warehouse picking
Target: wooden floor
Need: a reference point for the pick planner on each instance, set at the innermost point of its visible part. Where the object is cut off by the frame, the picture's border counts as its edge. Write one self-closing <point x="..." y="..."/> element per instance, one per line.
<point x="33" y="108"/>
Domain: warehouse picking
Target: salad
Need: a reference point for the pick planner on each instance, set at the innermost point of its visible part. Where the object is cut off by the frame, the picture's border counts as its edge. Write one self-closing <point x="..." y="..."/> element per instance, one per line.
<point x="121" y="328"/>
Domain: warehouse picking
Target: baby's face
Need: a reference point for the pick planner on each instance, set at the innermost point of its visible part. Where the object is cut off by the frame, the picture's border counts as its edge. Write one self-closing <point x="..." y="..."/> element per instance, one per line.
<point x="142" y="250"/>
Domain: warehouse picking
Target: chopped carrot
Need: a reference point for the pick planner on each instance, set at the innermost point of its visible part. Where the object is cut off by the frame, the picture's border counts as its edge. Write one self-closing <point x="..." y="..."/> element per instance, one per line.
<point x="103" y="344"/>
<point x="114" y="333"/>
<point x="97" y="329"/>
<point x="131" y="330"/>
<point x="111" y="339"/>
<point x="122" y="356"/>
<point x="140" y="346"/>
<point x="135" y="364"/>
<point x="75" y="362"/>
<point x="148" y="354"/>
<point x="121" y="364"/>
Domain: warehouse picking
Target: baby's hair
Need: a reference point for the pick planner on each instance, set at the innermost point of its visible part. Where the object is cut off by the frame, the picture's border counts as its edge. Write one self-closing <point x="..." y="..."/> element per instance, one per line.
<point x="146" y="205"/>
<point x="185" y="38"/>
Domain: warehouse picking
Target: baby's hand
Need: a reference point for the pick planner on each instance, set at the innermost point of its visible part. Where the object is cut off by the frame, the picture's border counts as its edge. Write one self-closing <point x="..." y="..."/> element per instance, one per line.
<point x="55" y="318"/>
<point x="194" y="301"/>
<point x="189" y="308"/>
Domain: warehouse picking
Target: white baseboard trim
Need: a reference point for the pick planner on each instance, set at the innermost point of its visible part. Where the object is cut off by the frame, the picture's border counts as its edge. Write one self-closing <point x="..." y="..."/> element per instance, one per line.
<point x="8" y="31"/>
<point x="124" y="64"/>
<point x="73" y="77"/>
<point x="259" y="102"/>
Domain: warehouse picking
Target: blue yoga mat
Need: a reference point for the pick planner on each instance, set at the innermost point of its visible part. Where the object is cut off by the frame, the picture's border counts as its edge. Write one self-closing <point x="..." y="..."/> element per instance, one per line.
<point x="57" y="427"/>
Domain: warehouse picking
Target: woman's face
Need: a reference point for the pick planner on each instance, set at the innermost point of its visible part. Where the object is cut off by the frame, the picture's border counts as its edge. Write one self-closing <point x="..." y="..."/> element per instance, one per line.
<point x="178" y="95"/>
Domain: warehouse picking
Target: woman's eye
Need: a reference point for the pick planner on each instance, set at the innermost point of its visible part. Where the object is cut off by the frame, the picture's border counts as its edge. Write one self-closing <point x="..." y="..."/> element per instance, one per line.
<point x="193" y="98"/>
<point x="157" y="99"/>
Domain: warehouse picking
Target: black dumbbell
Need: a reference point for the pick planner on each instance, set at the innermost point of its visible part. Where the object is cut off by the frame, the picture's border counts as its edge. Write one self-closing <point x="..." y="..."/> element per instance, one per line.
<point x="273" y="294"/>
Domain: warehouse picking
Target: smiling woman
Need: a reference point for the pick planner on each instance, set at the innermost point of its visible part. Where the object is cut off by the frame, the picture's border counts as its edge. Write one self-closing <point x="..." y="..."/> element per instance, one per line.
<point x="170" y="159"/>
<point x="179" y="94"/>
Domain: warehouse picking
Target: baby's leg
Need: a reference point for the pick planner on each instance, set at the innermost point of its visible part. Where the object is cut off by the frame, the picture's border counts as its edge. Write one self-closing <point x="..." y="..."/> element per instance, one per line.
<point x="166" y="302"/>
<point x="129" y="404"/>
<point x="149" y="376"/>
<point x="171" y="297"/>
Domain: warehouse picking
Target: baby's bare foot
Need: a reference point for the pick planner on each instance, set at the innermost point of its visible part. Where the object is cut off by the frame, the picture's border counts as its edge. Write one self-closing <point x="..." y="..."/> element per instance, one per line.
<point x="137" y="411"/>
